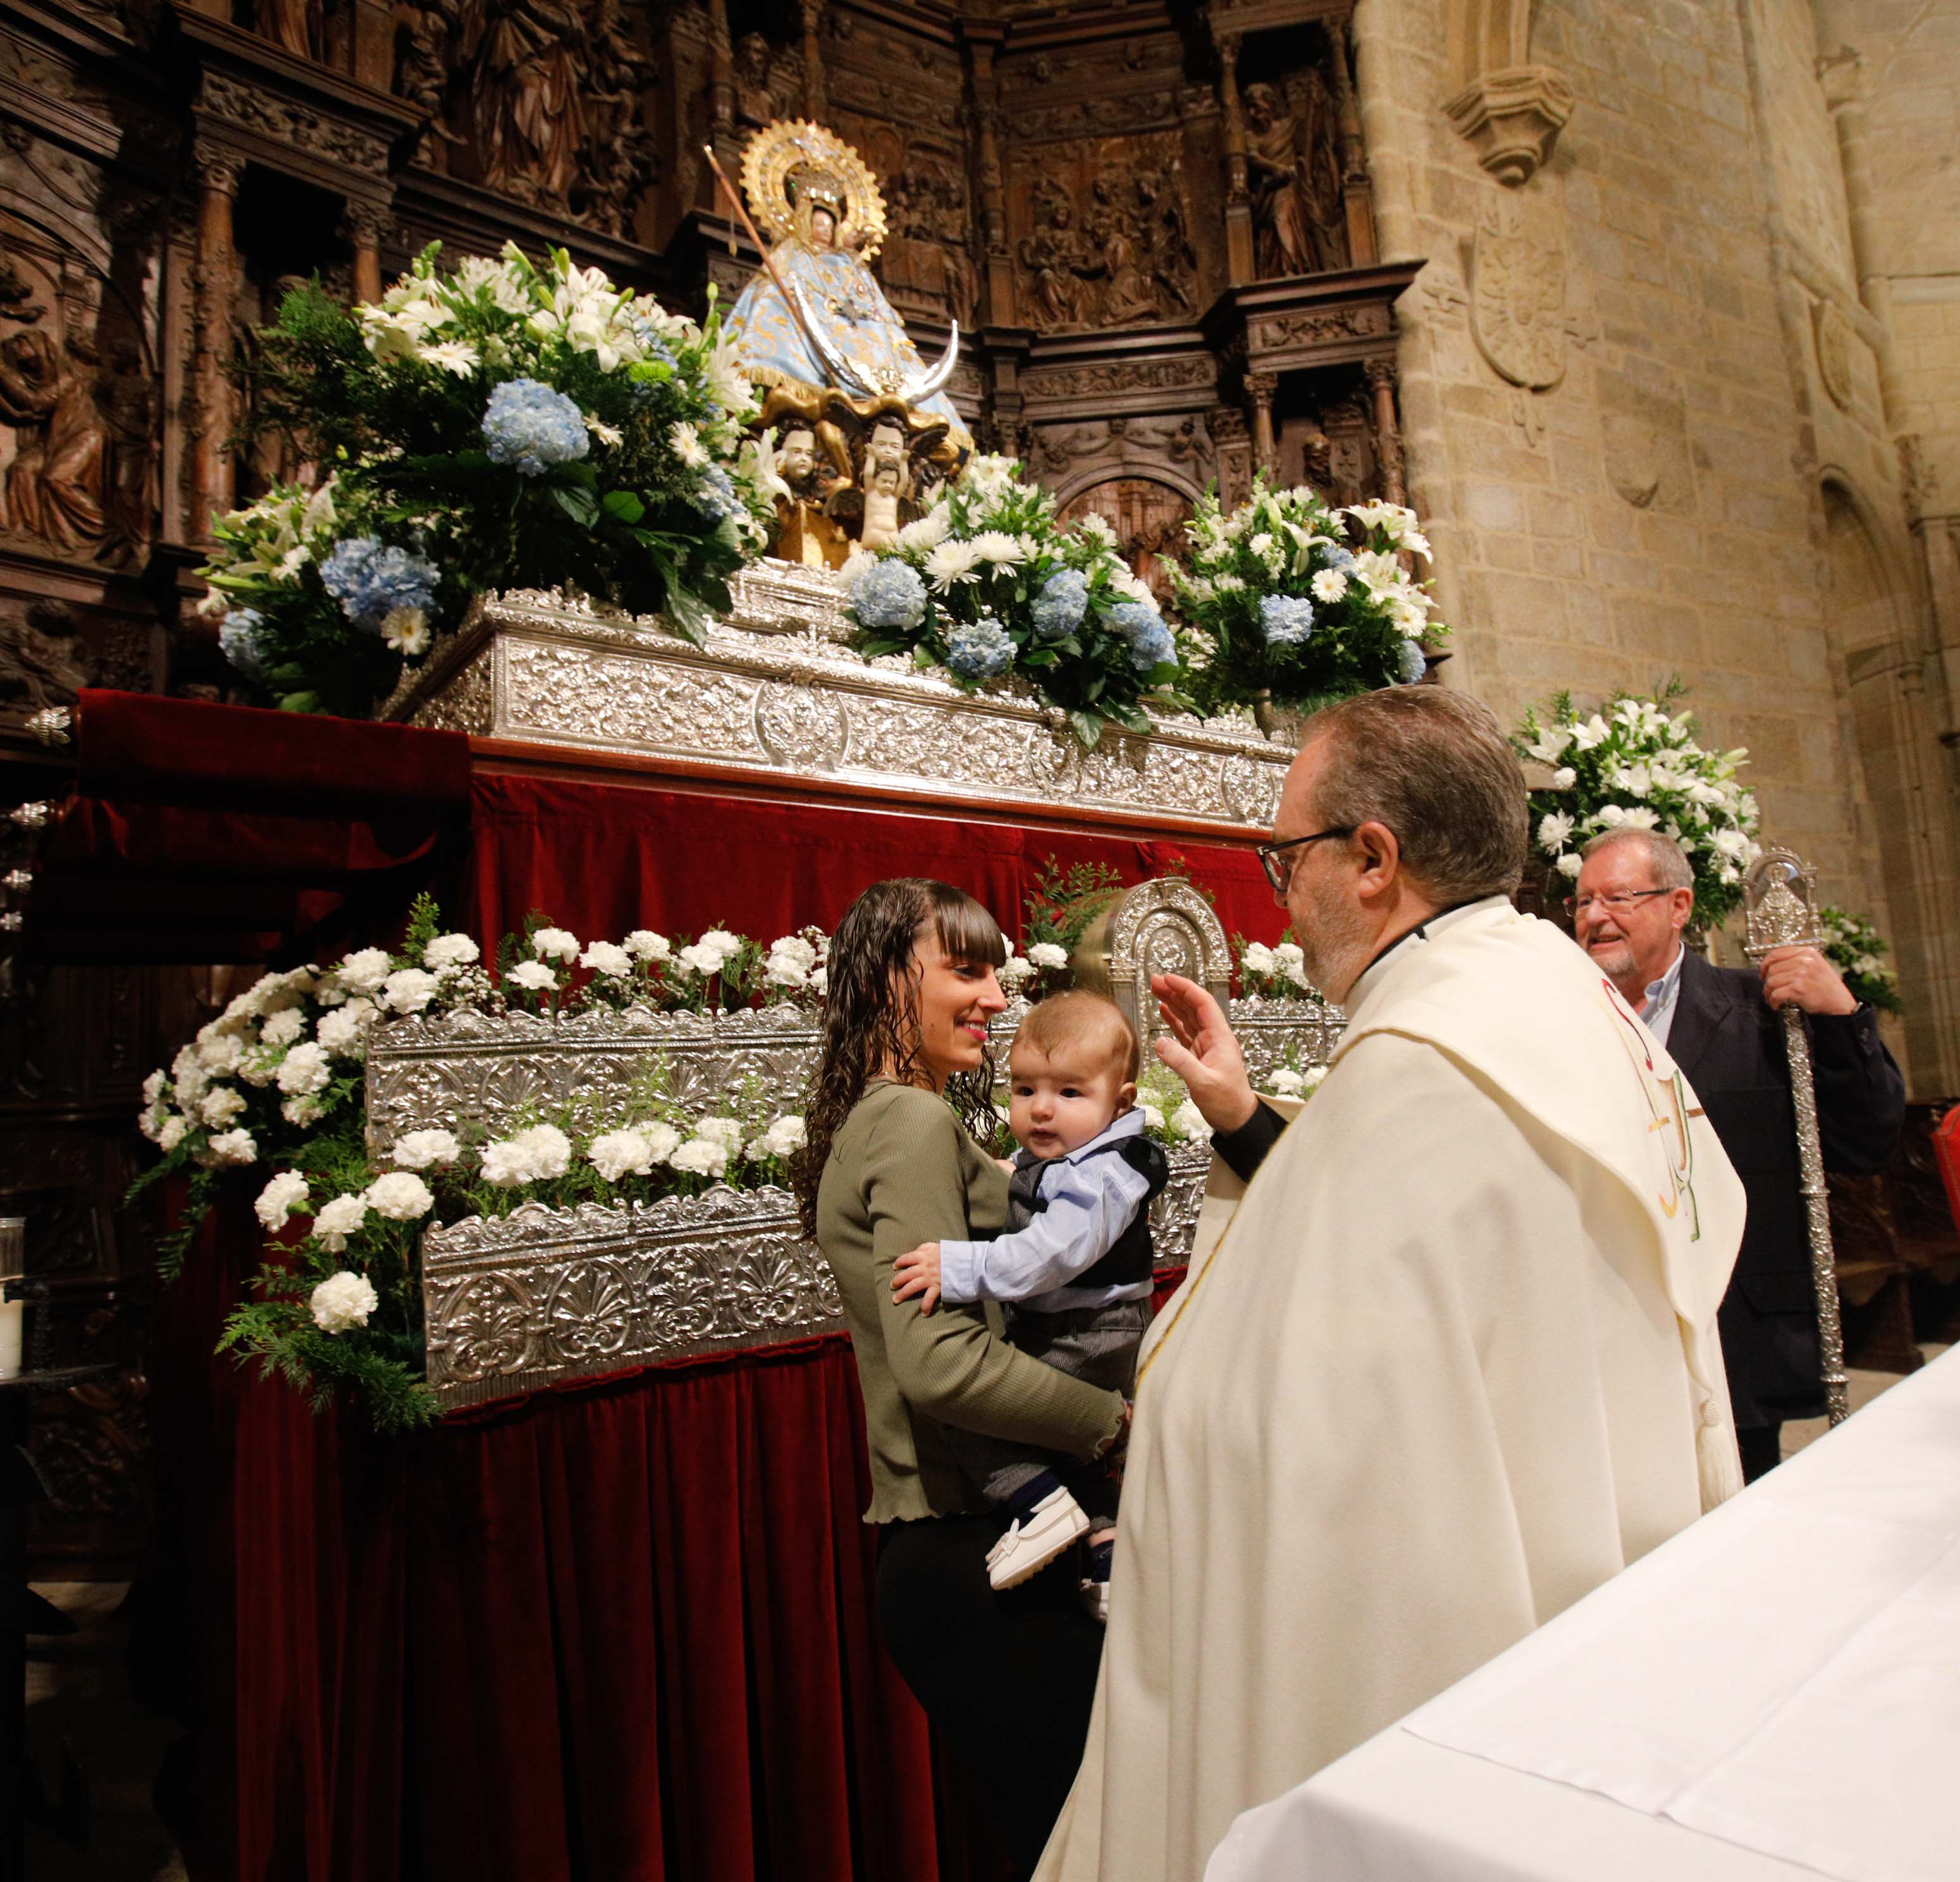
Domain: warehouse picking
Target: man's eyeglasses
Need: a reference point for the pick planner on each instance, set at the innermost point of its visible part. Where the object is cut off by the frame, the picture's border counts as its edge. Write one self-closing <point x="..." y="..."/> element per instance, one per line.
<point x="1576" y="905"/>
<point x="1279" y="872"/>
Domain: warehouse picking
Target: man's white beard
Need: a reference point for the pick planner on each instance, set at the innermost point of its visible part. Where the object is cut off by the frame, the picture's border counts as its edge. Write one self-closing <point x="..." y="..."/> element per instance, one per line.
<point x="1333" y="943"/>
<point x="1616" y="960"/>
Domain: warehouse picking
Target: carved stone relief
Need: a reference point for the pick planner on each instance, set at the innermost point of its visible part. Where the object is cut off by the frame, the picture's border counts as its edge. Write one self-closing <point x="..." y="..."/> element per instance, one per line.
<point x="1517" y="295"/>
<point x="544" y="101"/>
<point x="1293" y="155"/>
<point x="78" y="401"/>
<point x="1107" y="235"/>
<point x="1834" y="341"/>
<point x="1649" y="462"/>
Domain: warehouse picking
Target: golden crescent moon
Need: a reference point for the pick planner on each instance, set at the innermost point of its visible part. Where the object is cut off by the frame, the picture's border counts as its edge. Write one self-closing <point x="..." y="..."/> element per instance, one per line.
<point x="778" y="149"/>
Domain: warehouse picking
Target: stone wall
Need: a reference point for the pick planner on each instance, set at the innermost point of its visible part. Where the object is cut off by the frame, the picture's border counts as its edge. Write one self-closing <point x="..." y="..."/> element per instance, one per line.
<point x="1631" y="382"/>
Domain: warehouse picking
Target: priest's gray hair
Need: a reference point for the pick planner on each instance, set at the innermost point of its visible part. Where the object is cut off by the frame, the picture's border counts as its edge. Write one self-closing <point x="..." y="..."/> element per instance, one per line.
<point x="1665" y="858"/>
<point x="1435" y="768"/>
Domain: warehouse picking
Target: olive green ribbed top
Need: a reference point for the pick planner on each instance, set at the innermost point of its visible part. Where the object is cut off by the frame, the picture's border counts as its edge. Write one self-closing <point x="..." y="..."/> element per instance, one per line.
<point x="903" y="1171"/>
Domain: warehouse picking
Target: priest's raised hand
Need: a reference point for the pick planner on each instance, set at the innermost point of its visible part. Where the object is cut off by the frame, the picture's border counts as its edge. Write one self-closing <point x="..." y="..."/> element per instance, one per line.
<point x="1453" y="1362"/>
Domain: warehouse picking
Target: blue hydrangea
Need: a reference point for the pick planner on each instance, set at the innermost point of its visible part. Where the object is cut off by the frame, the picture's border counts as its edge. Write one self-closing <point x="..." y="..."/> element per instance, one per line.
<point x="1150" y="640"/>
<point x="530" y="427"/>
<point x="888" y="594"/>
<point x="1060" y="606"/>
<point x="1414" y="663"/>
<point x="238" y="639"/>
<point x="370" y="579"/>
<point x="714" y="496"/>
<point x="982" y="651"/>
<point x="1286" y="619"/>
<point x="1337" y="557"/>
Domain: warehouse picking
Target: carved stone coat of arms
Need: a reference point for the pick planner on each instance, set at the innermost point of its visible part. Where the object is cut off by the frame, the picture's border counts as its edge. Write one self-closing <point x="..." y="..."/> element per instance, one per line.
<point x="1517" y="297"/>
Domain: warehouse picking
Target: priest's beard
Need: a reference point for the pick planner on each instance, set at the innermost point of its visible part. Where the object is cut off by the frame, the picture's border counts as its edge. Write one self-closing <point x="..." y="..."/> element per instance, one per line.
<point x="1333" y="938"/>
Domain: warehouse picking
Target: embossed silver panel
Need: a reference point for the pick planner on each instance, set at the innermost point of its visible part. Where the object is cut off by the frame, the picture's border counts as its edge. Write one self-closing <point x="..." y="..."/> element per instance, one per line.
<point x="774" y="691"/>
<point x="472" y="1068"/>
<point x="524" y="1301"/>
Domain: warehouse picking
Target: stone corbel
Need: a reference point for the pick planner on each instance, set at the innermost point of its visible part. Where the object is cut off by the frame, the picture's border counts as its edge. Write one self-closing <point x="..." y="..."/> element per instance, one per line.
<point x="1513" y="118"/>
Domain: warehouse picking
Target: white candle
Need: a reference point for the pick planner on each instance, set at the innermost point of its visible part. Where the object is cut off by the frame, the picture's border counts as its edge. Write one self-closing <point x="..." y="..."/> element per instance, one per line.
<point x="10" y="1338"/>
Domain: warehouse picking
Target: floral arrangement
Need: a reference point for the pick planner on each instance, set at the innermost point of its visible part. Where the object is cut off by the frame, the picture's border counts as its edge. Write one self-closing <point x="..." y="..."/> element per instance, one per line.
<point x="276" y="1080"/>
<point x="1856" y="948"/>
<point x="1274" y="973"/>
<point x="988" y="584"/>
<point x="1294" y="603"/>
<point x="509" y="425"/>
<point x="1635" y="764"/>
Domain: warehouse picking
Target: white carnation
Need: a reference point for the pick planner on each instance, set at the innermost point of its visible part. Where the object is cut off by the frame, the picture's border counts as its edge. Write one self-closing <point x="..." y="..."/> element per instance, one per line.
<point x="785" y="970"/>
<point x="256" y="1066"/>
<point x="338" y="1220"/>
<point x="448" y="951"/>
<point x="698" y="960"/>
<point x="153" y="1088"/>
<point x="559" y="944"/>
<point x="400" y="1197"/>
<point x="530" y="1156"/>
<point x="280" y="1197"/>
<point x="220" y="1105"/>
<point x="533" y="976"/>
<point x="725" y="1131"/>
<point x="1570" y="864"/>
<point x="283" y="1028"/>
<point x="783" y="1138"/>
<point x="343" y="1302"/>
<point x="1258" y="959"/>
<point x="364" y="972"/>
<point x="1154" y="1119"/>
<point x="701" y="1156"/>
<point x="417" y="1150"/>
<point x="231" y="1147"/>
<point x="1014" y="970"/>
<point x="1189" y="1122"/>
<point x="720" y="941"/>
<point x="1286" y="1083"/>
<point x="409" y="989"/>
<point x="302" y="1110"/>
<point x="644" y="944"/>
<point x="1564" y="778"/>
<point x="1048" y="954"/>
<point x="305" y="1069"/>
<point x="342" y="1032"/>
<point x="171" y="1132"/>
<point x="219" y="1054"/>
<point x="620" y="1153"/>
<point x="607" y="957"/>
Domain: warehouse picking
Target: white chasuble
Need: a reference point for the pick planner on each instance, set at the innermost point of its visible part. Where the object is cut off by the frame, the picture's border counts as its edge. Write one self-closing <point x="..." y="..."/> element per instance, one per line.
<point x="1453" y="1365"/>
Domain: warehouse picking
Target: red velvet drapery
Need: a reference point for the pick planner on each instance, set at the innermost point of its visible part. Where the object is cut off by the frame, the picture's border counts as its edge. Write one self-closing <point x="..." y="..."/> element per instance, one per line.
<point x="604" y="860"/>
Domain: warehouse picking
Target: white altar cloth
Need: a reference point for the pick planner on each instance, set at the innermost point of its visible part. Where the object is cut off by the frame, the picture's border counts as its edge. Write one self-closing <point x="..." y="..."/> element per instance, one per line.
<point x="1774" y="1693"/>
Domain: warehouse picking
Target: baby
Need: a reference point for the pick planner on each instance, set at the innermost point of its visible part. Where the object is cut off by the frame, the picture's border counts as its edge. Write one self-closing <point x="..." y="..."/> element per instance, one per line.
<point x="1073" y="1270"/>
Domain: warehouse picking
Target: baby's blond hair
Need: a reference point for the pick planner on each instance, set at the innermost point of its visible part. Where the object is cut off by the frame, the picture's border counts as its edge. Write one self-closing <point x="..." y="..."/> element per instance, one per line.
<point x="1064" y="1019"/>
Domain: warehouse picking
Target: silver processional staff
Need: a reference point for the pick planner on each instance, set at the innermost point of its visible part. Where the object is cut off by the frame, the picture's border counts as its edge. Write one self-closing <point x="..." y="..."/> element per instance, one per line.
<point x="1783" y="914"/>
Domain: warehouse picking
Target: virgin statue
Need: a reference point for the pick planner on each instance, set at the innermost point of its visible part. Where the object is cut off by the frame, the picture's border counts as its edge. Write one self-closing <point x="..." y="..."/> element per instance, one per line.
<point x="814" y="322"/>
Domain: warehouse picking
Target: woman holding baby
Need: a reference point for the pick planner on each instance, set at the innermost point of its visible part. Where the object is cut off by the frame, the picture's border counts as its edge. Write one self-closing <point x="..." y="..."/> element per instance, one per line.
<point x="1009" y="1677"/>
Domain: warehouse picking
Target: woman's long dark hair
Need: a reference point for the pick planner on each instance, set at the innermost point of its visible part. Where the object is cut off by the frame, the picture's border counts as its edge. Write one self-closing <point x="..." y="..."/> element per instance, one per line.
<point x="870" y="1014"/>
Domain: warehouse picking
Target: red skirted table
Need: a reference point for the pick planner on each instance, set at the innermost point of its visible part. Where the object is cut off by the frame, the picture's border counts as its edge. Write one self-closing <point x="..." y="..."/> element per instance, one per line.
<point x="621" y="1632"/>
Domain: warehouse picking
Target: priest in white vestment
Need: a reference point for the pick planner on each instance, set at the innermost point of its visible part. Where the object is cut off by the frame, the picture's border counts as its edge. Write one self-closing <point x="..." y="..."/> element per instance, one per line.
<point x="1453" y="1363"/>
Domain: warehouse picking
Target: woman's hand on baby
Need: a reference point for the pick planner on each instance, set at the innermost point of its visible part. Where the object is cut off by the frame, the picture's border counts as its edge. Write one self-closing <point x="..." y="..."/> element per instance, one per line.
<point x="917" y="1273"/>
<point x="1201" y="1050"/>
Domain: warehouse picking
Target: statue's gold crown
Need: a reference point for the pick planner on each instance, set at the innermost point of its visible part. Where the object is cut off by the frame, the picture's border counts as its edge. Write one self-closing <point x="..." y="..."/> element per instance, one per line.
<point x="818" y="187"/>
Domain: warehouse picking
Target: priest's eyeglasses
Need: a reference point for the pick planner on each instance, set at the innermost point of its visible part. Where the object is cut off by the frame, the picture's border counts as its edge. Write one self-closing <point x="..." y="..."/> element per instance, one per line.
<point x="1280" y="873"/>
<point x="1614" y="905"/>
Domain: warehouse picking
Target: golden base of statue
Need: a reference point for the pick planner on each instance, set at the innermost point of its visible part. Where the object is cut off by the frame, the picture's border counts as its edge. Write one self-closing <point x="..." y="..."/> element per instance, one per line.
<point x="858" y="470"/>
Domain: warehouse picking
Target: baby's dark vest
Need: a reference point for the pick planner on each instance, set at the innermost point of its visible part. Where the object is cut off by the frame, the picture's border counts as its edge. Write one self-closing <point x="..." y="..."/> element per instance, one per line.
<point x="1129" y="1260"/>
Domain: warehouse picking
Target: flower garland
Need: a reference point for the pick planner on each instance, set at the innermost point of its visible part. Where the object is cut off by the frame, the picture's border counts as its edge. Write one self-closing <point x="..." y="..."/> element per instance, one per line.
<point x="509" y="425"/>
<point x="1294" y="602"/>
<point x="988" y="584"/>
<point x="1854" y="947"/>
<point x="1634" y="765"/>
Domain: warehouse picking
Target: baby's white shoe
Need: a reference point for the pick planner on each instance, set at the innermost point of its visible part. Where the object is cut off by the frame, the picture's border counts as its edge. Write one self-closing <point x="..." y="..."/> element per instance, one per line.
<point x="1055" y="1524"/>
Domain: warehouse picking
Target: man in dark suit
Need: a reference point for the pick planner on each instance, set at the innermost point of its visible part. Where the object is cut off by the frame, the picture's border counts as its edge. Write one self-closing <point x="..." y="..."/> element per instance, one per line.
<point x="1720" y="1025"/>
